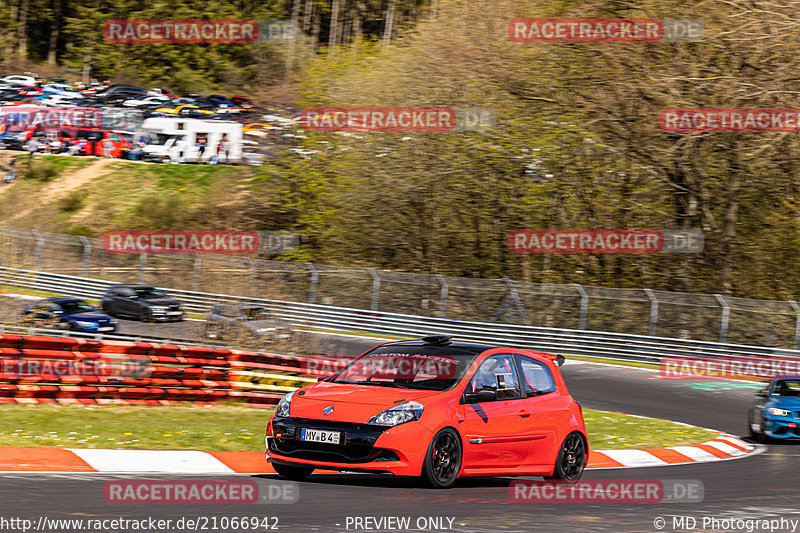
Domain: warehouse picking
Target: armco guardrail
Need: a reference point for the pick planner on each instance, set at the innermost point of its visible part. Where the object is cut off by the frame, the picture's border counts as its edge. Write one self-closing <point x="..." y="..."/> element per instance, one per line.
<point x="708" y="317"/>
<point x="613" y="346"/>
<point x="44" y="369"/>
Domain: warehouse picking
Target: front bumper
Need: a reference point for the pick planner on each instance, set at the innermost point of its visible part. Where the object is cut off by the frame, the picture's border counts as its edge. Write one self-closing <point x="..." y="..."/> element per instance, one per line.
<point x="782" y="427"/>
<point x="398" y="450"/>
<point x="165" y="316"/>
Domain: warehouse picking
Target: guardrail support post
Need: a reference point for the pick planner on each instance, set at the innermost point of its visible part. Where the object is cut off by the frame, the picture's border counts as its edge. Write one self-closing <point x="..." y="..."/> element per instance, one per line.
<point x="443" y="297"/>
<point x="87" y="254"/>
<point x="796" y="324"/>
<point x="196" y="274"/>
<point x="726" y="315"/>
<point x="39" y="248"/>
<point x="312" y="287"/>
<point x="376" y="288"/>
<point x="142" y="265"/>
<point x="653" y="312"/>
<point x="584" y="306"/>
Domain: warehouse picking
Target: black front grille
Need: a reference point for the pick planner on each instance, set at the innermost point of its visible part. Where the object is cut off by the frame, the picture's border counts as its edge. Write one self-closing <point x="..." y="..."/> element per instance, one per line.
<point x="358" y="445"/>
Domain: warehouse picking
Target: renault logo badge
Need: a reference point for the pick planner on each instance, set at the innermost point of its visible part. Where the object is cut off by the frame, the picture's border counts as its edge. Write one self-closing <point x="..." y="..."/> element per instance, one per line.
<point x="328" y="410"/>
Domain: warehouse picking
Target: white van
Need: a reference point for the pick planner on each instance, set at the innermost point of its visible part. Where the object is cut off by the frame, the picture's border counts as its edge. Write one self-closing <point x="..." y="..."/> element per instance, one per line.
<point x="167" y="135"/>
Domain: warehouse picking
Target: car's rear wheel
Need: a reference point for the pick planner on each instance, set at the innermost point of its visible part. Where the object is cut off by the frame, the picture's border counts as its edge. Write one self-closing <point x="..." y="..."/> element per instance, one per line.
<point x="443" y="460"/>
<point x="295" y="473"/>
<point x="571" y="459"/>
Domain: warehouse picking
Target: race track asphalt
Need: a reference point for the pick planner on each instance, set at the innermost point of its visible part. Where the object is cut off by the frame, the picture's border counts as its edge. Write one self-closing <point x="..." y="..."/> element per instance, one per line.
<point x="764" y="486"/>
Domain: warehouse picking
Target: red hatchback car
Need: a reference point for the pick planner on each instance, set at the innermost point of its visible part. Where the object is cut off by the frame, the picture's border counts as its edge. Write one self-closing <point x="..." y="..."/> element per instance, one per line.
<point x="436" y="409"/>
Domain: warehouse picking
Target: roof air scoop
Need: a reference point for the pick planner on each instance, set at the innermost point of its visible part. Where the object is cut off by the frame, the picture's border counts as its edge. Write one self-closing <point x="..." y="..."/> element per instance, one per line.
<point x="437" y="340"/>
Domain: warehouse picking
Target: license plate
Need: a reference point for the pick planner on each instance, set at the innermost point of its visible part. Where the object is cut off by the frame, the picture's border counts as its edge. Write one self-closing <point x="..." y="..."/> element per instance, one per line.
<point x="105" y="329"/>
<point x="319" y="435"/>
<point x="173" y="313"/>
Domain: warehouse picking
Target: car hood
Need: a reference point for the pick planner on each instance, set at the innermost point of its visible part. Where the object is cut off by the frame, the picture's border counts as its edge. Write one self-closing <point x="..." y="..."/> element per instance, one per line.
<point x="786" y="402"/>
<point x="89" y="316"/>
<point x="351" y="403"/>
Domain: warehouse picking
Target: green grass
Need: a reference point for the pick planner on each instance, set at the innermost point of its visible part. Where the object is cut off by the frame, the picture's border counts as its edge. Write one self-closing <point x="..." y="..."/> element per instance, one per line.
<point x="608" y="431"/>
<point x="64" y="163"/>
<point x="215" y="428"/>
<point x="237" y="428"/>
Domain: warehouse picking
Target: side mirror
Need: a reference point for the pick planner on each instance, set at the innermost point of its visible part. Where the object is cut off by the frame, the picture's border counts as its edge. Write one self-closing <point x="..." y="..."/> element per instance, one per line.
<point x="485" y="395"/>
<point x="560" y="359"/>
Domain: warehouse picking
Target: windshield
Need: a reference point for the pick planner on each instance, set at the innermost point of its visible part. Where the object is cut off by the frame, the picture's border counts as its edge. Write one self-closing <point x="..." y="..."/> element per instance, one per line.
<point x="148" y="293"/>
<point x="787" y="387"/>
<point x="77" y="306"/>
<point x="159" y="139"/>
<point x="408" y="367"/>
<point x="255" y="313"/>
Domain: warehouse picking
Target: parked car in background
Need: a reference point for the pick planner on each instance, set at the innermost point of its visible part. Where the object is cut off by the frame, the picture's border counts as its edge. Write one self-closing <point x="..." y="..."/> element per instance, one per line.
<point x="243" y="101"/>
<point x="64" y="312"/>
<point x="61" y="90"/>
<point x="121" y="93"/>
<point x="95" y="139"/>
<point x="141" y="302"/>
<point x="144" y="102"/>
<point x="16" y="79"/>
<point x="245" y="320"/>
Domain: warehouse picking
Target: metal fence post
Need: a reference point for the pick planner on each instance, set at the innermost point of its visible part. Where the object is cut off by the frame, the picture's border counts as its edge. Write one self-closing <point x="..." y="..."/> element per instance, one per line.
<point x="376" y="288"/>
<point x="653" y="312"/>
<point x="251" y="274"/>
<point x="312" y="288"/>
<point x="39" y="248"/>
<point x="443" y="297"/>
<point x="796" y="324"/>
<point x="87" y="253"/>
<point x="142" y="265"/>
<point x="516" y="302"/>
<point x="726" y="315"/>
<point x="196" y="275"/>
<point x="584" y="306"/>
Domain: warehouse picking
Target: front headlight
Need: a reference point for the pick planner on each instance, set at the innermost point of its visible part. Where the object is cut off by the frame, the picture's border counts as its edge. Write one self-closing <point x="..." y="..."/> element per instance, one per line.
<point x="84" y="324"/>
<point x="774" y="411"/>
<point x="284" y="404"/>
<point x="399" y="414"/>
<point x="158" y="309"/>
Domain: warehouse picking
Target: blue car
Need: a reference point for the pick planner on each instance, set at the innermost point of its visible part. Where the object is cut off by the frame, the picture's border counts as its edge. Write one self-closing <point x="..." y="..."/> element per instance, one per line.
<point x="775" y="414"/>
<point x="63" y="312"/>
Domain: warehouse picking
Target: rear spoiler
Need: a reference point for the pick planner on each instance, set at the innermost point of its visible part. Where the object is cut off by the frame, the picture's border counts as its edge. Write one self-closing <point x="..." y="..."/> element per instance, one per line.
<point x="556" y="358"/>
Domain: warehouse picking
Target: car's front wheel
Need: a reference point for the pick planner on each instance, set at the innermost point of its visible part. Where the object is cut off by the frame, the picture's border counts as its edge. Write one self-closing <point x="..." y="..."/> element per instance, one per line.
<point x="295" y="473"/>
<point x="443" y="460"/>
<point x="145" y="316"/>
<point x="571" y="459"/>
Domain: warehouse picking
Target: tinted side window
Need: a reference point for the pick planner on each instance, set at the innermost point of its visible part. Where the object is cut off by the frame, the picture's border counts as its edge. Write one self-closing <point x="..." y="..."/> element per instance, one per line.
<point x="497" y="373"/>
<point x="538" y="379"/>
